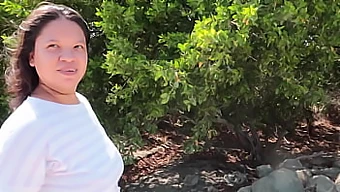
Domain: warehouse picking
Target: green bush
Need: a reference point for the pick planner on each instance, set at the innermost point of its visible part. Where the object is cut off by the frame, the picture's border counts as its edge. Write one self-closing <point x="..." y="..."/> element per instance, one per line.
<point x="243" y="64"/>
<point x="10" y="13"/>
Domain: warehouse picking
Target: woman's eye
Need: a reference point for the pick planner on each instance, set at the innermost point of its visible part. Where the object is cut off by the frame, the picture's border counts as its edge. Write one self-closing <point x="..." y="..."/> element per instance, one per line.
<point x="52" y="46"/>
<point x="79" y="47"/>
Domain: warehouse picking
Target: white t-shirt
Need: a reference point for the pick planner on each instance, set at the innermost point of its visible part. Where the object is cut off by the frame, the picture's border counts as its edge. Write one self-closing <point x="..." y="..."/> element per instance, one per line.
<point x="51" y="147"/>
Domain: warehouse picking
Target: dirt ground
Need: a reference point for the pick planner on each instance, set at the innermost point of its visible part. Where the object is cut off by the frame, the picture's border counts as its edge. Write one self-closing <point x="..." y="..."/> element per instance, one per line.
<point x="164" y="167"/>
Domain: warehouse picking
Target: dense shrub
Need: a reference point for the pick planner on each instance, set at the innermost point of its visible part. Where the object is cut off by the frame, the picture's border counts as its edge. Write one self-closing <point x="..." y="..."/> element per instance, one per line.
<point x="250" y="64"/>
<point x="242" y="65"/>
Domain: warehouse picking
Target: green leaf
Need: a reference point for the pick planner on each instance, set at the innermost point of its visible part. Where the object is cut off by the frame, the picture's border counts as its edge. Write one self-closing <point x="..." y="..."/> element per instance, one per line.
<point x="165" y="97"/>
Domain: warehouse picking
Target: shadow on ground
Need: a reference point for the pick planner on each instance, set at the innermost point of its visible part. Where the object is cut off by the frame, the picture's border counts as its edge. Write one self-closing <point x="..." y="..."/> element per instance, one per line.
<point x="193" y="175"/>
<point x="169" y="170"/>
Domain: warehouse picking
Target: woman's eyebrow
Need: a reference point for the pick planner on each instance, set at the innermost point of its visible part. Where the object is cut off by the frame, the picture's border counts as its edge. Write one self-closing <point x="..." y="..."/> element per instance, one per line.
<point x="51" y="40"/>
<point x="81" y="41"/>
<point x="54" y="40"/>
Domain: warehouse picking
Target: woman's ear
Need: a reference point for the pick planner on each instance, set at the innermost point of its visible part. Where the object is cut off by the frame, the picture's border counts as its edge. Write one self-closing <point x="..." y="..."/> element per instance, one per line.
<point x="31" y="59"/>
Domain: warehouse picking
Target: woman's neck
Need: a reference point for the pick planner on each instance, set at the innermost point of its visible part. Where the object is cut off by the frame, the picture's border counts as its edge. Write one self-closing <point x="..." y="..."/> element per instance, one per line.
<point x="47" y="93"/>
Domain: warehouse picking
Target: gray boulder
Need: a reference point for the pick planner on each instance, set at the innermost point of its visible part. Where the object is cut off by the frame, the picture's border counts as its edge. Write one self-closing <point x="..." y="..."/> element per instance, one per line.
<point x="329" y="172"/>
<point x="337" y="183"/>
<point x="281" y="180"/>
<point x="322" y="184"/>
<point x="245" y="189"/>
<point x="304" y="175"/>
<point x="263" y="170"/>
<point x="292" y="164"/>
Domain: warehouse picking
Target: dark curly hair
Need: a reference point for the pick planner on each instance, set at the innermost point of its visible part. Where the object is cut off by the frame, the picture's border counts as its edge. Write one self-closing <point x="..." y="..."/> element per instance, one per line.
<point x="21" y="78"/>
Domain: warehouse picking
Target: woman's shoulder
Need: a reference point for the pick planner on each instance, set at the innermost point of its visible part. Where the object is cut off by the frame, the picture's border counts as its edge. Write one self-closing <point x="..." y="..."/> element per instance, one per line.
<point x="23" y="116"/>
<point x="22" y="132"/>
<point x="82" y="98"/>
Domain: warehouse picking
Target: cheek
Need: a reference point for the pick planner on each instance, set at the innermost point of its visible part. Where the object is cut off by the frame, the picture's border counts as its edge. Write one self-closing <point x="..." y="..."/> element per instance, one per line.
<point x="84" y="67"/>
<point x="83" y="59"/>
<point x="44" y="72"/>
<point x="44" y="64"/>
<point x="43" y="57"/>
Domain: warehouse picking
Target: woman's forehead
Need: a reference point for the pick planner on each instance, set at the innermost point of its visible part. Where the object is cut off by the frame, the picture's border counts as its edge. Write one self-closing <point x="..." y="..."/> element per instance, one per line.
<point x="62" y="29"/>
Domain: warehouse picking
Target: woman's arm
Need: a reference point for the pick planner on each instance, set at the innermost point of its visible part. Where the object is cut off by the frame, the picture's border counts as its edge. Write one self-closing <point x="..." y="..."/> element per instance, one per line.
<point x="22" y="159"/>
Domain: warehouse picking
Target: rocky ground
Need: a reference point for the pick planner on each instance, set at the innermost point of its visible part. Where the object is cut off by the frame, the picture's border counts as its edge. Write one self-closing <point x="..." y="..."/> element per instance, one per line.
<point x="303" y="161"/>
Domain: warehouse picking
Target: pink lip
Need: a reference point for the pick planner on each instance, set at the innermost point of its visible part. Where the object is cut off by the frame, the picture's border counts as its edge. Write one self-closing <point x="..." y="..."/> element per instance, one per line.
<point x="67" y="72"/>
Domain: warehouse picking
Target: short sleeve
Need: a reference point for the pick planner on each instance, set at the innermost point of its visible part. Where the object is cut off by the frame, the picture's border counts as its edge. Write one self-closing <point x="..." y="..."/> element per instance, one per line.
<point x="22" y="159"/>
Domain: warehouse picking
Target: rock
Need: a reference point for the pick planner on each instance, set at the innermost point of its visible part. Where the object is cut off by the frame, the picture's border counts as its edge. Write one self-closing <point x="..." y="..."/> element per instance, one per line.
<point x="263" y="170"/>
<point x="337" y="183"/>
<point x="152" y="185"/>
<point x="212" y="189"/>
<point x="235" y="178"/>
<point x="337" y="180"/>
<point x="304" y="176"/>
<point x="281" y="180"/>
<point x="140" y="154"/>
<point x="191" y="180"/>
<point x="336" y="164"/>
<point x="263" y="184"/>
<point x="329" y="172"/>
<point x="293" y="164"/>
<point x="245" y="189"/>
<point x="321" y="161"/>
<point x="322" y="183"/>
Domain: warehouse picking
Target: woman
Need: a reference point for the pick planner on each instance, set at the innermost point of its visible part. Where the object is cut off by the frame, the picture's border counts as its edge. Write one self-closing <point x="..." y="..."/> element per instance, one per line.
<point x="53" y="141"/>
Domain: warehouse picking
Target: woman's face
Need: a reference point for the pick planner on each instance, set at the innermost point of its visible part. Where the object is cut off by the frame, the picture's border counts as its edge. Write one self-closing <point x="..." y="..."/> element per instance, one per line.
<point x="60" y="55"/>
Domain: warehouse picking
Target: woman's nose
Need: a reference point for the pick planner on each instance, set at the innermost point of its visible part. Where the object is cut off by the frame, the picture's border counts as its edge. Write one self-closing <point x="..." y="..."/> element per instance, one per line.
<point x="66" y="56"/>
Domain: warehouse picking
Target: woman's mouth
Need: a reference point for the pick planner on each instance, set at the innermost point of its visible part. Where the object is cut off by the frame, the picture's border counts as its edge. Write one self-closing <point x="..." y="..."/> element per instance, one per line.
<point x="68" y="72"/>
